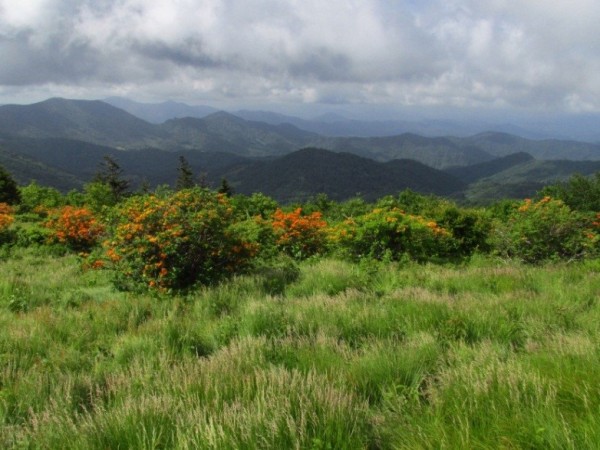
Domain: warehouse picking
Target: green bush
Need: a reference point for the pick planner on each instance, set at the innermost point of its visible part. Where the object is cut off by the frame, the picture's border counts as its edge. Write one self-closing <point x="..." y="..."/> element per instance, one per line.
<point x="39" y="199"/>
<point x="389" y="233"/>
<point x="579" y="193"/>
<point x="32" y="235"/>
<point x="546" y="230"/>
<point x="176" y="242"/>
<point x="470" y="229"/>
<point x="6" y="220"/>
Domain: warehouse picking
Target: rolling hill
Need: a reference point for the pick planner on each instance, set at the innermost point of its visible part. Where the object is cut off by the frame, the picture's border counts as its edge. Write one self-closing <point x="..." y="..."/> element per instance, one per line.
<point x="89" y="121"/>
<point x="225" y="132"/>
<point x="60" y="142"/>
<point x="474" y="172"/>
<point x="517" y="176"/>
<point x="307" y="172"/>
<point x="503" y="144"/>
<point x="103" y="124"/>
<point x="437" y="152"/>
<point x="160" y="112"/>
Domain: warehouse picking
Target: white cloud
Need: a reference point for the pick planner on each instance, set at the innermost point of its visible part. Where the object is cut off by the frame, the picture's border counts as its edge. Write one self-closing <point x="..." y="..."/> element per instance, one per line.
<point x="533" y="54"/>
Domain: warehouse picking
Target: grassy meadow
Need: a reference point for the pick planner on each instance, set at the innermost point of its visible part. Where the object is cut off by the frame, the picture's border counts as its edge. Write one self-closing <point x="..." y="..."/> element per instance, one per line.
<point x="321" y="354"/>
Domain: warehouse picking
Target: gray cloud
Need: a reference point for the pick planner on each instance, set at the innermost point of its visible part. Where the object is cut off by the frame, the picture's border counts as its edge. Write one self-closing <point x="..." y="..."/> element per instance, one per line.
<point x="460" y="53"/>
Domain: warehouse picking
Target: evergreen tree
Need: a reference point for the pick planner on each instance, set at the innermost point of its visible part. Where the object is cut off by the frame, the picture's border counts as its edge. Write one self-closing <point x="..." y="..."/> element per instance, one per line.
<point x="111" y="174"/>
<point x="225" y="188"/>
<point x="203" y="181"/>
<point x="185" y="177"/>
<point x="144" y="187"/>
<point x="9" y="192"/>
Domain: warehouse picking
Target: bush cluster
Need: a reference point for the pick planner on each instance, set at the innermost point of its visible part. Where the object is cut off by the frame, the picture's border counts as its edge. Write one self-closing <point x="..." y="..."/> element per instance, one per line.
<point x="391" y="234"/>
<point x="6" y="219"/>
<point x="77" y="228"/>
<point x="176" y="240"/>
<point x="546" y="229"/>
<point x="300" y="235"/>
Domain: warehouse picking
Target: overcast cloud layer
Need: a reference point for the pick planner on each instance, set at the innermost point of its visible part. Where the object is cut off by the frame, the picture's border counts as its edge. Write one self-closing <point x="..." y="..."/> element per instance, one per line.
<point x="524" y="55"/>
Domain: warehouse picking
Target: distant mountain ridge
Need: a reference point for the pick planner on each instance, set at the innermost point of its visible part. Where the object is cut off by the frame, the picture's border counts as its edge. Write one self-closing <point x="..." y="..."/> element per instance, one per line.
<point x="583" y="127"/>
<point x="62" y="141"/>
<point x="310" y="171"/>
<point x="158" y="113"/>
<point x="86" y="120"/>
<point x="102" y="124"/>
<point x="472" y="173"/>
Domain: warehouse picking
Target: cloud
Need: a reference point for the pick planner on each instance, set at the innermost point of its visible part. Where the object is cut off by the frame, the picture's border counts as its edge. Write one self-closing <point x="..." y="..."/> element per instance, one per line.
<point x="530" y="54"/>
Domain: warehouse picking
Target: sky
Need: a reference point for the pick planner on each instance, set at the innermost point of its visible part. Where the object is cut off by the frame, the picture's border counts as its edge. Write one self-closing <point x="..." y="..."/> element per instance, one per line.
<point x="529" y="57"/>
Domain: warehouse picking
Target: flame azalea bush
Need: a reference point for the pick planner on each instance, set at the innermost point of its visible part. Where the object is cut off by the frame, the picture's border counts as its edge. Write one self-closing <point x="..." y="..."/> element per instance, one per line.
<point x="299" y="235"/>
<point x="6" y="216"/>
<point x="546" y="230"/>
<point x="6" y="219"/>
<point x="75" y="227"/>
<point x="176" y="242"/>
<point x="391" y="233"/>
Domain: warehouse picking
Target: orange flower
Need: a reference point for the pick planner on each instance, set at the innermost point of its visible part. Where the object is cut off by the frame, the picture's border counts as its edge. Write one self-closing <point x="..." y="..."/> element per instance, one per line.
<point x="76" y="227"/>
<point x="297" y="232"/>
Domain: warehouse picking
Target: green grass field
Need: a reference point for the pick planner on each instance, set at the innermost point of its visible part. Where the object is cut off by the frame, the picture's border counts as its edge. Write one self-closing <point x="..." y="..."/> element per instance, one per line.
<point x="377" y="356"/>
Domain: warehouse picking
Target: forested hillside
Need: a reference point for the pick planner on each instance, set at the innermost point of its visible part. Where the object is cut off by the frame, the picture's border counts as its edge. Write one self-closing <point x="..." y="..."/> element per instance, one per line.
<point x="61" y="142"/>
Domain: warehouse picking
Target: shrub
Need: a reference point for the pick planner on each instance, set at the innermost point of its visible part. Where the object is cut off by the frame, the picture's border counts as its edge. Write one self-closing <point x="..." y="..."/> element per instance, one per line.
<point x="32" y="234"/>
<point x="6" y="216"/>
<point x="299" y="235"/>
<point x="177" y="241"/>
<point x="9" y="192"/>
<point x="254" y="205"/>
<point x="75" y="227"/>
<point x="39" y="199"/>
<point x="546" y="230"/>
<point x="6" y="219"/>
<point x="470" y="229"/>
<point x="579" y="192"/>
<point x="391" y="233"/>
<point x="98" y="196"/>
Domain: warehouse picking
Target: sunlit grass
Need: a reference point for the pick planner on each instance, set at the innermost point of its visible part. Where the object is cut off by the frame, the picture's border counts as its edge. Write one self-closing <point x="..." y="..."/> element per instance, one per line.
<point x="484" y="355"/>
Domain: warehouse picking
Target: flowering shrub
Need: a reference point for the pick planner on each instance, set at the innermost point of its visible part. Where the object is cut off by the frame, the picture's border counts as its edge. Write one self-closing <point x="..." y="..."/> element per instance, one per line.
<point x="177" y="241"/>
<point x="6" y="216"/>
<point x="546" y="230"/>
<point x="75" y="227"/>
<point x="6" y="219"/>
<point x="299" y="235"/>
<point x="391" y="233"/>
<point x="470" y="229"/>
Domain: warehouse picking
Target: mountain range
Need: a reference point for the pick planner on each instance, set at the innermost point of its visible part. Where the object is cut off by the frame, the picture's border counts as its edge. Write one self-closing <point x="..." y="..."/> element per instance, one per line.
<point x="60" y="142"/>
<point x="582" y="127"/>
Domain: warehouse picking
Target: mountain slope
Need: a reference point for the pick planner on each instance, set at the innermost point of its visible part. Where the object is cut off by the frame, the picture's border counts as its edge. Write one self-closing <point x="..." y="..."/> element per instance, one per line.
<point x="160" y="112"/>
<point x="25" y="170"/>
<point x="79" y="161"/>
<point x="472" y="173"/>
<point x="435" y="152"/>
<point x="90" y="121"/>
<point x="225" y="132"/>
<point x="503" y="144"/>
<point x="310" y="171"/>
<point x="102" y="124"/>
<point x="545" y="171"/>
<point x="525" y="179"/>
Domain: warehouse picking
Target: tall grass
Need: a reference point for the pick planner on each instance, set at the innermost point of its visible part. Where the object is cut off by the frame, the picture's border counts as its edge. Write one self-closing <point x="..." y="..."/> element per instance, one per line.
<point x="485" y="355"/>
